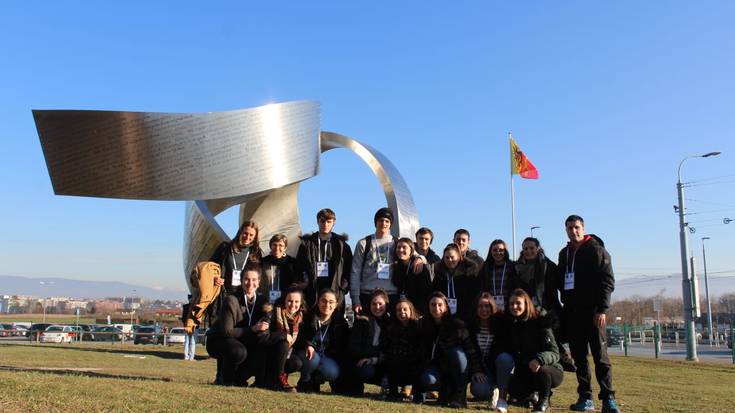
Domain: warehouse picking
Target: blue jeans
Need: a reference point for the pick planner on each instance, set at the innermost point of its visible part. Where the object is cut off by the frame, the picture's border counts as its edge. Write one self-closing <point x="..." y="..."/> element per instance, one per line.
<point x="190" y="346"/>
<point x="451" y="369"/>
<point x="503" y="371"/>
<point x="328" y="368"/>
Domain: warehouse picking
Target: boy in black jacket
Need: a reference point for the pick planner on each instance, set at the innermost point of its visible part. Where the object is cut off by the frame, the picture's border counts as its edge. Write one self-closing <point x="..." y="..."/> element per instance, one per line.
<point x="586" y="281"/>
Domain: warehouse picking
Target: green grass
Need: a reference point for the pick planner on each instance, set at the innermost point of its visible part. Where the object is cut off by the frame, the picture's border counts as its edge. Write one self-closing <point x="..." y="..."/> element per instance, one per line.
<point x="106" y="377"/>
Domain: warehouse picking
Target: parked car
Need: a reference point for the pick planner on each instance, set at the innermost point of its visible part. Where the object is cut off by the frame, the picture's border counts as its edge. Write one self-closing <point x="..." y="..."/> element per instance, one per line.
<point x="22" y="330"/>
<point x="36" y="329"/>
<point x="147" y="335"/>
<point x="84" y="332"/>
<point x="58" y="334"/>
<point x="176" y="336"/>
<point x="108" y="333"/>
<point x="8" y="330"/>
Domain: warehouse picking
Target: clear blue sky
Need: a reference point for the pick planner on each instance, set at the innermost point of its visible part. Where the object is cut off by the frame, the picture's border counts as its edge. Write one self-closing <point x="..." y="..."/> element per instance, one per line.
<point x="605" y="99"/>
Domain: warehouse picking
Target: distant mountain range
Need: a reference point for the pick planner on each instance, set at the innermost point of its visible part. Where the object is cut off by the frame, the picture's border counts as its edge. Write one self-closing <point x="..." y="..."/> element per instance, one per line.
<point x="81" y="289"/>
<point x="669" y="286"/>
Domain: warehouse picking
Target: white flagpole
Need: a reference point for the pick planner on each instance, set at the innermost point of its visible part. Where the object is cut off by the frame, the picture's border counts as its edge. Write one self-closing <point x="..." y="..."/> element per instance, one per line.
<point x="512" y="204"/>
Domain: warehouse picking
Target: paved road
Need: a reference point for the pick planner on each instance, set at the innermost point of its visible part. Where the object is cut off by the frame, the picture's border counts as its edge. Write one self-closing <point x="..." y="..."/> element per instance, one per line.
<point x="672" y="352"/>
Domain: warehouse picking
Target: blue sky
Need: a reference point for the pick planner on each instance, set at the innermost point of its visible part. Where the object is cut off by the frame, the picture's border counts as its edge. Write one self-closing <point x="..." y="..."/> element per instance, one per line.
<point x="605" y="99"/>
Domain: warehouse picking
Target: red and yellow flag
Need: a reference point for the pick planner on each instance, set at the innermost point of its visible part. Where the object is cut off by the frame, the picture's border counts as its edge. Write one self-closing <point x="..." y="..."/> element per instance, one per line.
<point x="519" y="163"/>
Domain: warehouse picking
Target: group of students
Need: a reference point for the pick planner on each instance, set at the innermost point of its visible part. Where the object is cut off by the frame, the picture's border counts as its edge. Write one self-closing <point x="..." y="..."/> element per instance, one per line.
<point x="434" y="323"/>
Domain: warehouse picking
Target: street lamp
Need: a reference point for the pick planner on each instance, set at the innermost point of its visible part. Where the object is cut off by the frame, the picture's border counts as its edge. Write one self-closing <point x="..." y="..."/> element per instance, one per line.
<point x="532" y="228"/>
<point x="687" y="286"/>
<point x="706" y="293"/>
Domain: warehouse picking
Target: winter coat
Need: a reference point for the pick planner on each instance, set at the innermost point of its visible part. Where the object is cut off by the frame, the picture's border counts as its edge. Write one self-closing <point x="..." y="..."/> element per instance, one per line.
<point x="235" y="322"/>
<point x="363" y="343"/>
<point x="339" y="256"/>
<point x="467" y="285"/>
<point x="538" y="279"/>
<point x="527" y="340"/>
<point x="594" y="281"/>
<point x="487" y="359"/>
<point x="336" y="336"/>
<point x="415" y="287"/>
<point x="285" y="268"/>
<point x="437" y="340"/>
<point x="503" y="285"/>
<point x="400" y="345"/>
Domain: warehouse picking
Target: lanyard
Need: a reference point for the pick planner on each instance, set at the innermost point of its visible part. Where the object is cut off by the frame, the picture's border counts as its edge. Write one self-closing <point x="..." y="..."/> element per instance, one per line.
<point x="322" y="335"/>
<point x="433" y="348"/>
<point x="250" y="310"/>
<point x="574" y="258"/>
<point x="327" y="246"/>
<point x="234" y="262"/>
<point x="502" y="280"/>
<point x="451" y="292"/>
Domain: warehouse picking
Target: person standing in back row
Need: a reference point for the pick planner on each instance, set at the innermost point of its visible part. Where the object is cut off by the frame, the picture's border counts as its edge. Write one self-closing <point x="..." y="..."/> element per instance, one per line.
<point x="585" y="280"/>
<point x="462" y="239"/>
<point x="371" y="263"/>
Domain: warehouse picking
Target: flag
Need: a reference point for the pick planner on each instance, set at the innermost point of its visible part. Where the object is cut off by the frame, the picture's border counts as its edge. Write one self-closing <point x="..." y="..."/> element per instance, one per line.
<point x="519" y="163"/>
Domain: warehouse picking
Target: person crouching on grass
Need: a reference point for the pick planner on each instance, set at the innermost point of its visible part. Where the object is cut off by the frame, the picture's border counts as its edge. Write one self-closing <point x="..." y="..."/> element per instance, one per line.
<point x="233" y="339"/>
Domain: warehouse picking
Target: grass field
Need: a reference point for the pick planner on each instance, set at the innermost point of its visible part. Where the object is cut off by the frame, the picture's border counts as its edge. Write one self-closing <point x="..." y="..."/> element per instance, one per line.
<point x="106" y="377"/>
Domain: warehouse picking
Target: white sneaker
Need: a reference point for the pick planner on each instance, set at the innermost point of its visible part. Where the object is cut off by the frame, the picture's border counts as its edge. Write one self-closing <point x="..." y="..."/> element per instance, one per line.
<point x="494" y="398"/>
<point x="501" y="406"/>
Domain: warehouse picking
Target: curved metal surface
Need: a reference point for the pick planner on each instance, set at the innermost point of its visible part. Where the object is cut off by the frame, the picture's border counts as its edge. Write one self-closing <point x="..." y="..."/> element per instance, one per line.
<point x="179" y="156"/>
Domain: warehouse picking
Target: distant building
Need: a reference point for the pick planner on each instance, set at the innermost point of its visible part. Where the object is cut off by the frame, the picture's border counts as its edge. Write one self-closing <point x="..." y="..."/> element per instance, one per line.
<point x="4" y="304"/>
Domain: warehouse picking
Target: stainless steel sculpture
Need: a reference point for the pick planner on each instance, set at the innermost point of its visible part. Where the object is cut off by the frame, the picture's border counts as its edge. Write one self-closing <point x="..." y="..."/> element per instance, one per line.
<point x="252" y="157"/>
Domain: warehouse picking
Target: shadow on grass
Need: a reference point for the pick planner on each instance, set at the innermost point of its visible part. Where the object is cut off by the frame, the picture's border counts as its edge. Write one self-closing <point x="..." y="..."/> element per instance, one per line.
<point x="153" y="353"/>
<point x="80" y="372"/>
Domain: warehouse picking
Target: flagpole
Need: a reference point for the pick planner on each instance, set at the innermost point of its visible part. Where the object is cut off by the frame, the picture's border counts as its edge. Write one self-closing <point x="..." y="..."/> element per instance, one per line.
<point x="512" y="205"/>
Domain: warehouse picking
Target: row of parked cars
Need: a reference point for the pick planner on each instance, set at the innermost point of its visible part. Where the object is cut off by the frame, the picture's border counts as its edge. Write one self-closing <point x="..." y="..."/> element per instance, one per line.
<point x="140" y="334"/>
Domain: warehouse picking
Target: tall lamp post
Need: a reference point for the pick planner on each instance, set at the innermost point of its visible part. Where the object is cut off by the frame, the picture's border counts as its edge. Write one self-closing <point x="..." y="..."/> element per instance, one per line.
<point x="706" y="293"/>
<point x="687" y="284"/>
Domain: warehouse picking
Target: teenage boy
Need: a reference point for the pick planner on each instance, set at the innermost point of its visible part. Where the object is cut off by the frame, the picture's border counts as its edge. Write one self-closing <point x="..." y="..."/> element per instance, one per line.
<point x="586" y="281"/>
<point x="372" y="262"/>
<point x="424" y="238"/>
<point x="462" y="240"/>
<point x="325" y="260"/>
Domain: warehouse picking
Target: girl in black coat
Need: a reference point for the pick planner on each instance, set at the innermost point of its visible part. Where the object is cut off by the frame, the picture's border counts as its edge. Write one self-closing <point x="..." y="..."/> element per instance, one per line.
<point x="527" y="335"/>
<point x="497" y="273"/>
<point x="449" y="352"/>
<point x="279" y="270"/>
<point x="416" y="287"/>
<point x="456" y="278"/>
<point x="365" y="339"/>
<point x="399" y="344"/>
<point x="321" y="344"/>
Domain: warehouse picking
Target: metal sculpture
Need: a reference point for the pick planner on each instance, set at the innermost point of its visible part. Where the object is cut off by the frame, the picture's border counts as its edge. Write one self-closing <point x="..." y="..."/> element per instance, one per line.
<point x="254" y="158"/>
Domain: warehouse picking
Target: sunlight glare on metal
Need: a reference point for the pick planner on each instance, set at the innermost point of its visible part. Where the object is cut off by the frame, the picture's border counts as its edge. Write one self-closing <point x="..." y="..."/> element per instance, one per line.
<point x="275" y="144"/>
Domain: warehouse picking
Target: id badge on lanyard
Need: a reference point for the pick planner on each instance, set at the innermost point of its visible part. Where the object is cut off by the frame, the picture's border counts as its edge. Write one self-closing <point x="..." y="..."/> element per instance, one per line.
<point x="500" y="301"/>
<point x="274" y="295"/>
<point x="383" y="271"/>
<point x="275" y="292"/>
<point x="451" y="293"/>
<point x="322" y="269"/>
<point x="452" y="305"/>
<point x="236" y="274"/>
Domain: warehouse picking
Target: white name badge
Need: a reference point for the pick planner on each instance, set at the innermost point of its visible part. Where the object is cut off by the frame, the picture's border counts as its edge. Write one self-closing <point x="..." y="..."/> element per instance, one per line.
<point x="569" y="281"/>
<point x="383" y="271"/>
<point x="236" y="278"/>
<point x="500" y="301"/>
<point x="452" y="305"/>
<point x="322" y="269"/>
<point x="275" y="295"/>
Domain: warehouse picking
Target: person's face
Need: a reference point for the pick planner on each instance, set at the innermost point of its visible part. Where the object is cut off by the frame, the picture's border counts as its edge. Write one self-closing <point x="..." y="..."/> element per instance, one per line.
<point x="517" y="306"/>
<point x="463" y="242"/>
<point x="451" y="259"/>
<point x="498" y="253"/>
<point x="403" y="312"/>
<point x="423" y="241"/>
<point x="278" y="249"/>
<point x="292" y="302"/>
<point x="377" y="306"/>
<point x="382" y="224"/>
<point x="250" y="282"/>
<point x="575" y="231"/>
<point x="327" y="304"/>
<point x="403" y="251"/>
<point x="326" y="225"/>
<point x="484" y="309"/>
<point x="530" y="250"/>
<point x="437" y="308"/>
<point x="247" y="236"/>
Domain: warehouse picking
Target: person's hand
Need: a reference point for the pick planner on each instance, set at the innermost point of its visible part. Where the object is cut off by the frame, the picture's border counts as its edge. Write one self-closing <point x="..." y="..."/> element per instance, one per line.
<point x="219" y="281"/>
<point x="479" y="378"/>
<point x="363" y="362"/>
<point x="534" y="365"/>
<point x="599" y="320"/>
<point x="310" y="352"/>
<point x="418" y="265"/>
<point x="261" y="326"/>
<point x="289" y="340"/>
<point x="357" y="309"/>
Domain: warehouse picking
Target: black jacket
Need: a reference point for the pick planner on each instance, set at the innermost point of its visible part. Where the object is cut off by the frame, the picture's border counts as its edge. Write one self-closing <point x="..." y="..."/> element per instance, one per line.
<point x="416" y="287"/>
<point x="336" y="336"/>
<point x="339" y="256"/>
<point x="362" y="335"/>
<point x="500" y="287"/>
<point x="488" y="359"/>
<point x="400" y="345"/>
<point x="234" y="320"/>
<point x="467" y="285"/>
<point x="223" y="256"/>
<point x="431" y="256"/>
<point x="288" y="274"/>
<point x="527" y="340"/>
<point x="594" y="281"/>
<point x="538" y="279"/>
<point x="450" y="333"/>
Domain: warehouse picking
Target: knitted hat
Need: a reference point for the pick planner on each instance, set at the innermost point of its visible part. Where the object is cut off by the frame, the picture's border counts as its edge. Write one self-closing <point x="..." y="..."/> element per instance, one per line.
<point x="383" y="213"/>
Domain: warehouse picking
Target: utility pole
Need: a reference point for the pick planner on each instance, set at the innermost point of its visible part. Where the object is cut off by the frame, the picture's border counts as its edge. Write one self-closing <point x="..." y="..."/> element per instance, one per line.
<point x="706" y="293"/>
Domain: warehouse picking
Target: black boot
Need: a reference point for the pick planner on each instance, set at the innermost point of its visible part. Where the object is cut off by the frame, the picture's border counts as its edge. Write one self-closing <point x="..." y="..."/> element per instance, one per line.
<point x="541" y="406"/>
